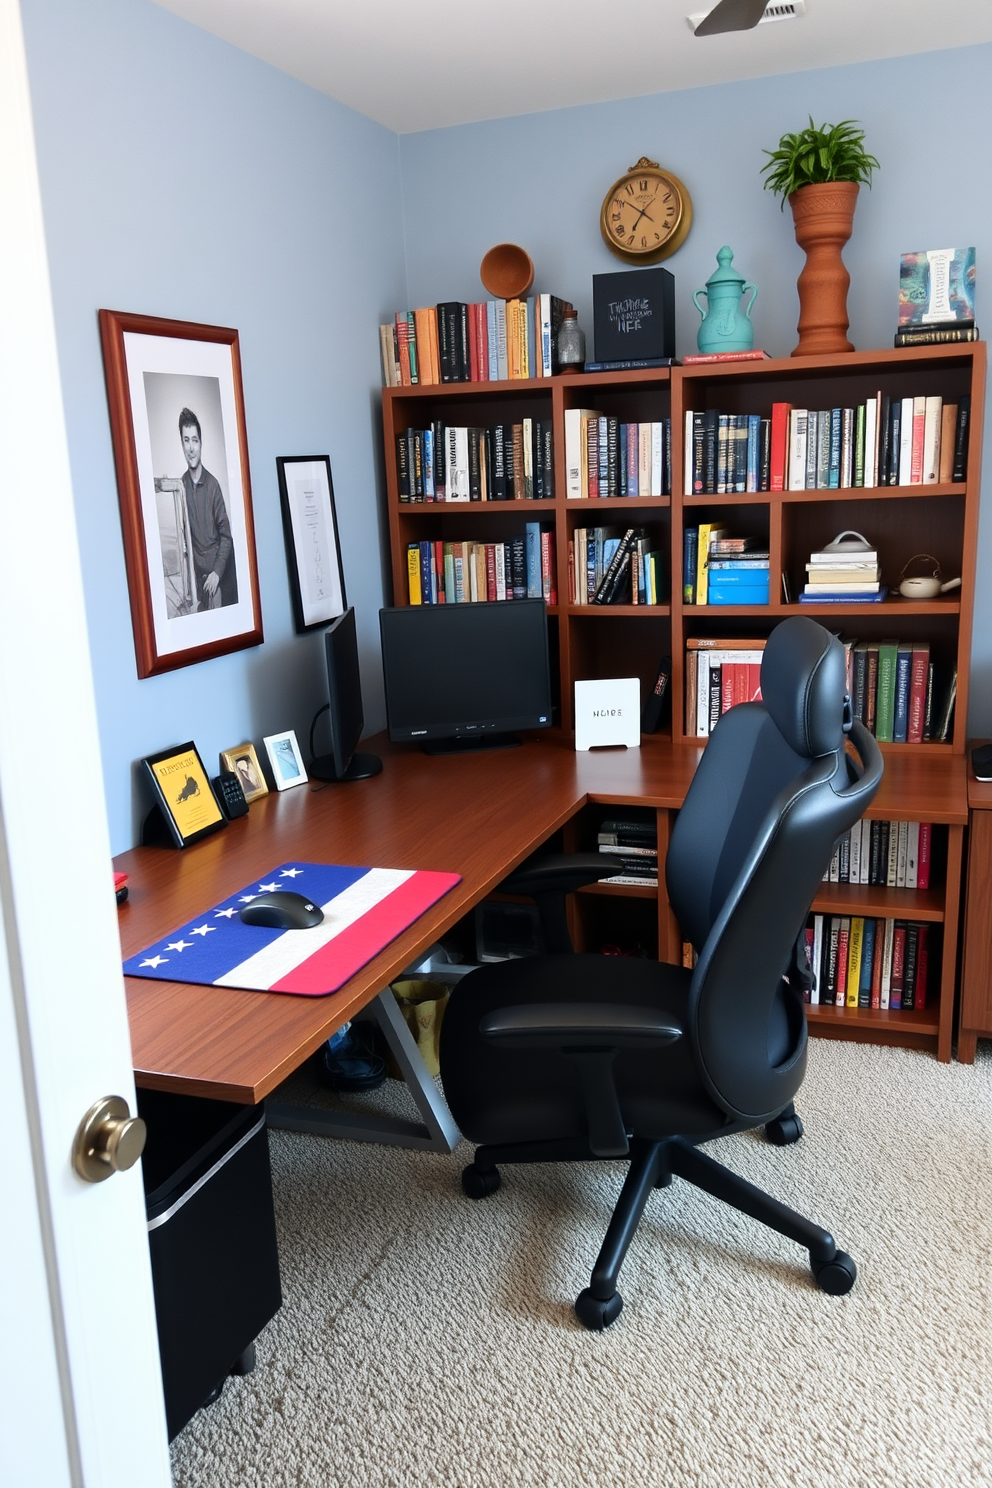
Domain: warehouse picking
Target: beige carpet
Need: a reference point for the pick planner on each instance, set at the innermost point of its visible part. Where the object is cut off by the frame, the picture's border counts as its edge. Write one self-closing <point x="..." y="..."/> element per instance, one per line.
<point x="427" y="1340"/>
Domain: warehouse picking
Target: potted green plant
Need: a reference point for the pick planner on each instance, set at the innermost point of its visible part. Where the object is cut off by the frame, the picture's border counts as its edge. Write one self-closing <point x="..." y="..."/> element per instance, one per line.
<point x="819" y="171"/>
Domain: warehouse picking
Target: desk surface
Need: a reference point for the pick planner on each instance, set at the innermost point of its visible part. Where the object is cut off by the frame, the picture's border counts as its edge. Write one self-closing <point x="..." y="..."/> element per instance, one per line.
<point x="476" y="814"/>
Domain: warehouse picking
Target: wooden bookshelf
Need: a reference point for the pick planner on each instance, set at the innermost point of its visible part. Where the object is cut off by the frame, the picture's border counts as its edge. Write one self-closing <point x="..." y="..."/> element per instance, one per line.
<point x="924" y="782"/>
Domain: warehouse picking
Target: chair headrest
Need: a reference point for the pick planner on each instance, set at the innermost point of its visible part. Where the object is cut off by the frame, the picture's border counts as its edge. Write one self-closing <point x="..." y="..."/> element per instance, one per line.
<point x="803" y="686"/>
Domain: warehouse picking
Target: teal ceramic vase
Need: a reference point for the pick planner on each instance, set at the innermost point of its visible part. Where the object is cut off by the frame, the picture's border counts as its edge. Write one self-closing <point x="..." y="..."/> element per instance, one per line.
<point x="725" y="326"/>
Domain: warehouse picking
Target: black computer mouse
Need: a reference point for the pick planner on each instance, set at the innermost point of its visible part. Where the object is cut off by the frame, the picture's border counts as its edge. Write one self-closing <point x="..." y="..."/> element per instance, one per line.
<point x="282" y="910"/>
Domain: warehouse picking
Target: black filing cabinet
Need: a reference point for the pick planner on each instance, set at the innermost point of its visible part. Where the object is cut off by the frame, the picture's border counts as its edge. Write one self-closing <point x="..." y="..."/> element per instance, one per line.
<point x="212" y="1237"/>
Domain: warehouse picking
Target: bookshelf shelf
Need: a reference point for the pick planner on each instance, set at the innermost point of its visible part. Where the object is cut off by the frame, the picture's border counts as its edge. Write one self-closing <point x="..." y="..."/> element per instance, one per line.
<point x="924" y="782"/>
<point x="885" y="904"/>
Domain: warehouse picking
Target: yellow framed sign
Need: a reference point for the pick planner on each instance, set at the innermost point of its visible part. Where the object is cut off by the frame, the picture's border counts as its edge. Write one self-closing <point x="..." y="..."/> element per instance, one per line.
<point x="186" y="808"/>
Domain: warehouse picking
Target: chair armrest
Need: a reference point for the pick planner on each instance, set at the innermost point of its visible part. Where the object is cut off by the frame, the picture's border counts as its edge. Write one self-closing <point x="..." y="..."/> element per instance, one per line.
<point x="588" y="1034"/>
<point x="557" y="873"/>
<point x="579" y="1025"/>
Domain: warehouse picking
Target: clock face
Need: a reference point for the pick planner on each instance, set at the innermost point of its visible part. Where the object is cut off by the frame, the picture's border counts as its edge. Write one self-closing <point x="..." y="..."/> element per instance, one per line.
<point x="646" y="214"/>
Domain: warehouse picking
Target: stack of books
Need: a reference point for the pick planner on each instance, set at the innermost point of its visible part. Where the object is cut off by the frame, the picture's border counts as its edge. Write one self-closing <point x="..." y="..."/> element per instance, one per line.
<point x="633" y="842"/>
<point x="489" y="341"/>
<point x="608" y="567"/>
<point x="846" y="571"/>
<point x="737" y="571"/>
<point x="937" y="297"/>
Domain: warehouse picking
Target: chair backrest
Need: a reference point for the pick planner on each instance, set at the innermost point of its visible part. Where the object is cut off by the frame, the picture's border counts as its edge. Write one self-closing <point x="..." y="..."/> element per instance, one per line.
<point x="774" y="791"/>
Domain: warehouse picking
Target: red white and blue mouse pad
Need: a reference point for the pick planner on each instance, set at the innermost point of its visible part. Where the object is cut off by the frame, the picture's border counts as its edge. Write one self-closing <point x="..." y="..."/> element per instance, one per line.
<point x="364" y="909"/>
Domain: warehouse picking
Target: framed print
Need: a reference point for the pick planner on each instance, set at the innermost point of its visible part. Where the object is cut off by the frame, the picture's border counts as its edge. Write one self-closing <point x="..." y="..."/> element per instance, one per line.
<point x="312" y="548"/>
<point x="186" y="808"/>
<point x="285" y="760"/>
<point x="243" y="762"/>
<point x="181" y="451"/>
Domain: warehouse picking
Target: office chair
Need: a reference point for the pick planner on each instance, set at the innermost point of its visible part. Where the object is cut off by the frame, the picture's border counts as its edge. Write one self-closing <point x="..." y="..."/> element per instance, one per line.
<point x="565" y="1057"/>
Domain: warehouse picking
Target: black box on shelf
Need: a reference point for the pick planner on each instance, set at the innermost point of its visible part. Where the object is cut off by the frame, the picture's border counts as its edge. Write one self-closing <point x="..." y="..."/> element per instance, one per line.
<point x="633" y="315"/>
<point x="504" y="930"/>
<point x="212" y="1240"/>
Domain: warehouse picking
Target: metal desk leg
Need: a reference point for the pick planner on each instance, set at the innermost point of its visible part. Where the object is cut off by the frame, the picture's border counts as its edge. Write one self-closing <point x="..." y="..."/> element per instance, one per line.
<point x="436" y="1133"/>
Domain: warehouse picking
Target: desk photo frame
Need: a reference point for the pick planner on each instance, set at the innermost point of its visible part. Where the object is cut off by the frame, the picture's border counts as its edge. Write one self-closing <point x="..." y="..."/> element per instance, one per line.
<point x="313" y="551"/>
<point x="186" y="808"/>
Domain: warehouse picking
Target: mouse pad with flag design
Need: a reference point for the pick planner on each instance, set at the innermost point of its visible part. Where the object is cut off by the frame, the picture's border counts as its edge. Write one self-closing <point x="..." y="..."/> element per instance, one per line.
<point x="364" y="909"/>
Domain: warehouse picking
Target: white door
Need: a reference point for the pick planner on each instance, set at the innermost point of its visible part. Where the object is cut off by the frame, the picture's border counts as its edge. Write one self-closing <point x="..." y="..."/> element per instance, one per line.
<point x="80" y="1389"/>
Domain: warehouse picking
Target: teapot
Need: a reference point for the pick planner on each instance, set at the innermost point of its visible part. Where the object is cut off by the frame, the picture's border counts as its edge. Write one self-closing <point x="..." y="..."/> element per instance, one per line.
<point x="725" y="327"/>
<point x="924" y="586"/>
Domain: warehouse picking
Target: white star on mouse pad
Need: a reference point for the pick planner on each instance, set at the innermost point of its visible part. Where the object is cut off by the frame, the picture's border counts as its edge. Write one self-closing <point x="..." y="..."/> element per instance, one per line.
<point x="204" y="930"/>
<point x="291" y="873"/>
<point x="247" y="898"/>
<point x="155" y="962"/>
<point x="179" y="945"/>
<point x="226" y="913"/>
<point x="267" y="888"/>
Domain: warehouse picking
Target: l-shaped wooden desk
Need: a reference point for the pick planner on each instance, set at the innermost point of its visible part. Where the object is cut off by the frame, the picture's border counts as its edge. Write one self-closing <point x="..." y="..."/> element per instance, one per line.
<point x="477" y="814"/>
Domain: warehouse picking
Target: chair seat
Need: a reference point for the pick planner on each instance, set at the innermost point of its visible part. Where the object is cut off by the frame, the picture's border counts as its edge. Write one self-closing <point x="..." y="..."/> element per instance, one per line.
<point x="499" y="1096"/>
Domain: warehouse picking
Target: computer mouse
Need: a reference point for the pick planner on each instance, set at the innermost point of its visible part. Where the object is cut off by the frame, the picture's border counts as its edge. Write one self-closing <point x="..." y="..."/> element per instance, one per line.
<point x="282" y="910"/>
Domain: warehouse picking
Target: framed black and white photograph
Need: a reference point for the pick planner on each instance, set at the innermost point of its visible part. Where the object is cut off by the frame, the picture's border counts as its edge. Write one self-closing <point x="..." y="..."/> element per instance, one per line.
<point x="313" y="551"/>
<point x="181" y="452"/>
<point x="285" y="760"/>
<point x="242" y="762"/>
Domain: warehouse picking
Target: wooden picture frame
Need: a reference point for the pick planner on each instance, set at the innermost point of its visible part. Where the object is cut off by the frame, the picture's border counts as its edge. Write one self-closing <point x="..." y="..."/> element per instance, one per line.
<point x="313" y="551"/>
<point x="181" y="450"/>
<point x="285" y="760"/>
<point x="243" y="763"/>
<point x="186" y="808"/>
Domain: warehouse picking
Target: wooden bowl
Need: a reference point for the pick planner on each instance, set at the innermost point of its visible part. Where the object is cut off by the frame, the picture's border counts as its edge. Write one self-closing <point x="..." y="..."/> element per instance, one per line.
<point x="506" y="271"/>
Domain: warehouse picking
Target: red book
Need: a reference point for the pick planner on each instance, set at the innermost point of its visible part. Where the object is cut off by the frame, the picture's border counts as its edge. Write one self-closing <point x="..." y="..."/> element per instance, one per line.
<point x="592" y="456"/>
<point x="549" y="583"/>
<point x="403" y="342"/>
<point x="741" y="682"/>
<point x="490" y="570"/>
<point x="439" y="570"/>
<point x="918" y="668"/>
<point x="876" y="969"/>
<point x="779" y="446"/>
<point x="916" y="453"/>
<point x="920" y="995"/>
<point x="754" y="682"/>
<point x="843" y="940"/>
<point x="482" y="337"/>
<point x="728" y="674"/>
<point x="473" y="345"/>
<point x="726" y="356"/>
<point x="923" y="855"/>
<point x="898" y="965"/>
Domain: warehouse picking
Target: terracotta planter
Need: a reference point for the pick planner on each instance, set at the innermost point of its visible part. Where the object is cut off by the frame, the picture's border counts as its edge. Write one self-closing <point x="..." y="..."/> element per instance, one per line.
<point x="824" y="217"/>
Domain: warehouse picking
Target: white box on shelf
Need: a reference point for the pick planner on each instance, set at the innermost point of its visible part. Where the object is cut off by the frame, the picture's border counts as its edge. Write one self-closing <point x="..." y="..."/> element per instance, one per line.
<point x="608" y="712"/>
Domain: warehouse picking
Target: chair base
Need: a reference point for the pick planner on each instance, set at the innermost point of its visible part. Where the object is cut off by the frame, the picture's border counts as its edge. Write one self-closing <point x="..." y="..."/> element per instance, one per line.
<point x="652" y="1165"/>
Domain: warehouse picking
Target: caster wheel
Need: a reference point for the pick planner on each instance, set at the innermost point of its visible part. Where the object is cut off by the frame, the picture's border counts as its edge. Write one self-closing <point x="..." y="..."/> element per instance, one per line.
<point x="215" y="1394"/>
<point x="837" y="1276"/>
<point x="784" y="1130"/>
<point x="479" y="1183"/>
<point x="245" y="1362"/>
<point x="664" y="1181"/>
<point x="595" y="1314"/>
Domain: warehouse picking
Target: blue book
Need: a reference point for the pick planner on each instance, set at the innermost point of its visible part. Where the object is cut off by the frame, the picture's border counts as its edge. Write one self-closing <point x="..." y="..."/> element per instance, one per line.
<point x="753" y="450"/>
<point x="532" y="547"/>
<point x="845" y="599"/>
<point x="491" y="335"/>
<point x="904" y="667"/>
<point x="428" y="447"/>
<point x="867" y="962"/>
<point x="836" y="425"/>
<point x="533" y="340"/>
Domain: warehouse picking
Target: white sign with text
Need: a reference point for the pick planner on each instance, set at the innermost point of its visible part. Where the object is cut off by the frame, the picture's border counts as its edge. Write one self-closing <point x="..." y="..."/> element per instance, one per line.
<point x="608" y="712"/>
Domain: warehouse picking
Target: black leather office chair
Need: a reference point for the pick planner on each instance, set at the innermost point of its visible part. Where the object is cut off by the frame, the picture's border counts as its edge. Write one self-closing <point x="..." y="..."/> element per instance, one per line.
<point x="570" y="1057"/>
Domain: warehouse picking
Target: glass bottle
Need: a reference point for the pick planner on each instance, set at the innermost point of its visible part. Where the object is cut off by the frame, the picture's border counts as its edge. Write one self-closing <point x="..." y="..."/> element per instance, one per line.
<point x="571" y="343"/>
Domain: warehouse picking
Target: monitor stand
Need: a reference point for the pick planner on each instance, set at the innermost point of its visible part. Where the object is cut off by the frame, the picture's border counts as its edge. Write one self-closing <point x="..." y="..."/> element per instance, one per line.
<point x="473" y="742"/>
<point x="360" y="767"/>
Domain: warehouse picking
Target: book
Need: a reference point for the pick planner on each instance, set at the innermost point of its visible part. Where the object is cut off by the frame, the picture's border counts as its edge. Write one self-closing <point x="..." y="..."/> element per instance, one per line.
<point x="936" y="287"/>
<point x="726" y="356"/>
<point x="576" y="451"/>
<point x="886" y="700"/>
<point x="630" y="364"/>
<point x="936" y="335"/>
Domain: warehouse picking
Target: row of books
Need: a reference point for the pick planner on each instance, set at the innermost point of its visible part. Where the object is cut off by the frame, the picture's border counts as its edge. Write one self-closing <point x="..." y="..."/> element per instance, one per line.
<point x="894" y="692"/>
<point x="448" y="462"/>
<point x="607" y="458"/>
<point x="606" y="566"/>
<point x="633" y="842"/>
<point x="521" y="567"/>
<point x="884" y="854"/>
<point x="861" y="962"/>
<point x="719" y="674"/>
<point x="487" y="341"/>
<point x="727" y="452"/>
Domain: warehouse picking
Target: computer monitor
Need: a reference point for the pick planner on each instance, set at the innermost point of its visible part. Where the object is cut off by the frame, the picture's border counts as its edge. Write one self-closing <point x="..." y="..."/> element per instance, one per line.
<point x="465" y="676"/>
<point x="344" y="708"/>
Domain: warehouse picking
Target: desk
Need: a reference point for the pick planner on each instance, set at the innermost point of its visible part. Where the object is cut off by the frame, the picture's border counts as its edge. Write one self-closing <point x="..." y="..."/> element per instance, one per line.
<point x="477" y="814"/>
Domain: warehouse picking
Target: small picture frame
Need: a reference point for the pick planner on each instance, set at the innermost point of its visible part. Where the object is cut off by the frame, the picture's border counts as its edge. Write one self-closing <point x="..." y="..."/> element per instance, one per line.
<point x="243" y="762"/>
<point x="185" y="807"/>
<point x="313" y="551"/>
<point x="285" y="760"/>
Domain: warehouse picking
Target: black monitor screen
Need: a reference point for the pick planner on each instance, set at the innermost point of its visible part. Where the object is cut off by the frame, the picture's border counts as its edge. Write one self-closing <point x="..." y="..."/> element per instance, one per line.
<point x="467" y="672"/>
<point x="344" y="707"/>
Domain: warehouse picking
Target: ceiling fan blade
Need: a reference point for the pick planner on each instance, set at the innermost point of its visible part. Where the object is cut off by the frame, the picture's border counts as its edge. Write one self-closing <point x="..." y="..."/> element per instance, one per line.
<point x="731" y="15"/>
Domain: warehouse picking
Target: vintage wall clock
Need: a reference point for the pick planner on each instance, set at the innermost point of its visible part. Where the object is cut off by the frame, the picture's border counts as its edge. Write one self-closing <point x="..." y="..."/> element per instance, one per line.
<point x="646" y="215"/>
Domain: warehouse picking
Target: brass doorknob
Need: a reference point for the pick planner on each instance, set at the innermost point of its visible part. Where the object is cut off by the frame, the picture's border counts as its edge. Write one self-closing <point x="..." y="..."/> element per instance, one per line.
<point x="109" y="1140"/>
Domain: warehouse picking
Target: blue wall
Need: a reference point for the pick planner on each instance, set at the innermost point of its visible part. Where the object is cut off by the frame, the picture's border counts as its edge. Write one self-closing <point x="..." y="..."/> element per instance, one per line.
<point x="181" y="177"/>
<point x="540" y="180"/>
